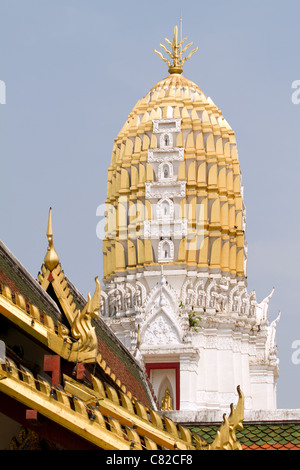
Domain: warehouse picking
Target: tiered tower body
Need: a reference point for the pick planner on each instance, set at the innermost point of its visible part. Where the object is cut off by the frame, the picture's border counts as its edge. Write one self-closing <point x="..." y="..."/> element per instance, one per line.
<point x="175" y="254"/>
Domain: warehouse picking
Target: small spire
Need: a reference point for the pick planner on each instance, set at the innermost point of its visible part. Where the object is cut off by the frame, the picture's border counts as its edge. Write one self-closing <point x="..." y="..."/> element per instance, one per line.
<point x="175" y="53"/>
<point x="51" y="259"/>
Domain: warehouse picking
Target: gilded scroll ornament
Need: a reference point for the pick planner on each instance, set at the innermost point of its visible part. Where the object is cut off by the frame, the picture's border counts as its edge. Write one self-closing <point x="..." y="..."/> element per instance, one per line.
<point x="82" y="329"/>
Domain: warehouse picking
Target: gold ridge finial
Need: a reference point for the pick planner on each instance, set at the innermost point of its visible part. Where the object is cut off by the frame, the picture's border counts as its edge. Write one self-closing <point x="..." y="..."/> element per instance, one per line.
<point x="176" y="53"/>
<point x="51" y="259"/>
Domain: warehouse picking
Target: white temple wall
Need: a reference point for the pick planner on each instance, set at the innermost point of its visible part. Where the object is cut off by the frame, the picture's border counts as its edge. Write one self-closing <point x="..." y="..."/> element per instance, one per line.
<point x="263" y="389"/>
<point x="188" y="379"/>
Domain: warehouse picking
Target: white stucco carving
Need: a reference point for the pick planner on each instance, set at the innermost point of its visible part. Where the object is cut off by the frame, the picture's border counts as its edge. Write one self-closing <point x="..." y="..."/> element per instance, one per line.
<point x="160" y="190"/>
<point x="160" y="331"/>
<point x="161" y="126"/>
<point x="234" y="344"/>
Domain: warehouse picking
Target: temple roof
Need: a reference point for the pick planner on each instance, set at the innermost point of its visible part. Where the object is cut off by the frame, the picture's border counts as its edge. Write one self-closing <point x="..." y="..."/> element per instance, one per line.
<point x="94" y="389"/>
<point x="208" y="173"/>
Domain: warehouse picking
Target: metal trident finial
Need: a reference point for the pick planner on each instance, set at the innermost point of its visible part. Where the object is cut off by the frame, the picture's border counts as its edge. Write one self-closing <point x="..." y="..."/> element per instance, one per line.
<point x="176" y="53"/>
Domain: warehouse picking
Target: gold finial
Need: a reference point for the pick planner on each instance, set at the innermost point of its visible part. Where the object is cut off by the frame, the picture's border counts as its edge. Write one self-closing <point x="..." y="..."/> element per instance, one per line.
<point x="51" y="259"/>
<point x="176" y="53"/>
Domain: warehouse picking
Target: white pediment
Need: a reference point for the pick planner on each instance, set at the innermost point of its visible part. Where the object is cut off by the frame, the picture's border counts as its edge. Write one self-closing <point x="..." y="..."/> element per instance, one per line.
<point x="160" y="331"/>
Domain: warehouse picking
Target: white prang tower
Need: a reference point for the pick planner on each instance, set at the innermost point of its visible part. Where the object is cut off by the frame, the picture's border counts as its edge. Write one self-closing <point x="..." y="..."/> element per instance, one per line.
<point x="175" y="253"/>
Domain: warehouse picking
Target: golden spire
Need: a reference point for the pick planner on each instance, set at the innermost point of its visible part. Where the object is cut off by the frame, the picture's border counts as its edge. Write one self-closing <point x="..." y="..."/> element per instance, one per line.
<point x="176" y="53"/>
<point x="51" y="259"/>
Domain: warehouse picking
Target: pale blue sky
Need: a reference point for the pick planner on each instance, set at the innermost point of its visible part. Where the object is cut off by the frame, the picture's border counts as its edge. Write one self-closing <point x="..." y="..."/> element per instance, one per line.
<point x="73" y="72"/>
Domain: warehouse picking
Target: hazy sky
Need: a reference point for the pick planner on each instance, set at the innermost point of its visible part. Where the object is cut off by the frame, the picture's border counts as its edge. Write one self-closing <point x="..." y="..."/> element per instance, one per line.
<point x="73" y="71"/>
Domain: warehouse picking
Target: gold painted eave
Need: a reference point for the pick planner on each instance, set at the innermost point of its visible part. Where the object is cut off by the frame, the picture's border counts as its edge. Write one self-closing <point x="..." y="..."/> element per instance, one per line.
<point x="96" y="414"/>
<point x="24" y="321"/>
<point x="57" y="341"/>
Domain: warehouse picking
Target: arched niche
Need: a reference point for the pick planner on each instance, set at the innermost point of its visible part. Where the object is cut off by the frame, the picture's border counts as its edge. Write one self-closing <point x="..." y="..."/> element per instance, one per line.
<point x="166" y="140"/>
<point x="165" y="250"/>
<point x="165" y="209"/>
<point x="165" y="375"/>
<point x="165" y="171"/>
<point x="165" y="386"/>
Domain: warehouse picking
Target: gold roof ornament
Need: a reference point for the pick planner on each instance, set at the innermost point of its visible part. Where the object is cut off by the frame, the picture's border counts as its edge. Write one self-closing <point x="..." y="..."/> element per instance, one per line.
<point x="51" y="259"/>
<point x="167" y="401"/>
<point x="226" y="436"/>
<point x="79" y="313"/>
<point x="82" y="328"/>
<point x="176" y="53"/>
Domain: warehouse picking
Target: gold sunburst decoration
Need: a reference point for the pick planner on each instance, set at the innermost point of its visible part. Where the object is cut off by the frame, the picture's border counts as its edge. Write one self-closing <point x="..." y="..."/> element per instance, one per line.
<point x="176" y="63"/>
